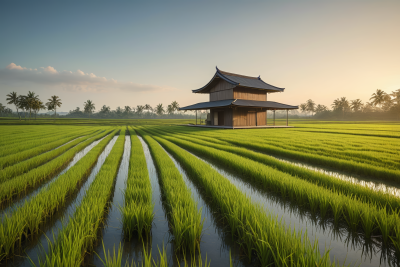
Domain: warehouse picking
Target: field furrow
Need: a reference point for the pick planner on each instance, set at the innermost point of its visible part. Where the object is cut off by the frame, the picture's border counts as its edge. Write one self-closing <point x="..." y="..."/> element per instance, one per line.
<point x="26" y="219"/>
<point x="137" y="213"/>
<point x="21" y="183"/>
<point x="184" y="218"/>
<point x="81" y="232"/>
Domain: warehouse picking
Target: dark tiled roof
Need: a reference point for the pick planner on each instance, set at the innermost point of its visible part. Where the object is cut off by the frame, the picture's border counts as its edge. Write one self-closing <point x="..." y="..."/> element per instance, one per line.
<point x="207" y="105"/>
<point x="239" y="80"/>
<point x="262" y="104"/>
<point x="247" y="81"/>
<point x="239" y="102"/>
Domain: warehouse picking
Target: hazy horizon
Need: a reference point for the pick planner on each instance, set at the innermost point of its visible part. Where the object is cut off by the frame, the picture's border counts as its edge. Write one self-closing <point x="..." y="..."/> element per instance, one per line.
<point x="120" y="54"/>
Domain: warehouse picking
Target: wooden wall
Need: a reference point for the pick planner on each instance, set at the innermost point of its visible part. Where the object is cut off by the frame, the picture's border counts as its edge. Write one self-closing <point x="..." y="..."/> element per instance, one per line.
<point x="221" y="91"/>
<point x="249" y="94"/>
<point x="227" y="116"/>
<point x="242" y="117"/>
<point x="221" y="95"/>
<point x="221" y="86"/>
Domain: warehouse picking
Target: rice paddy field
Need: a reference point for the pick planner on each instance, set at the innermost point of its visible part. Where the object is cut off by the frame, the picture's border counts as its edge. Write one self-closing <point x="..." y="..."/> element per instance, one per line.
<point x="156" y="193"/>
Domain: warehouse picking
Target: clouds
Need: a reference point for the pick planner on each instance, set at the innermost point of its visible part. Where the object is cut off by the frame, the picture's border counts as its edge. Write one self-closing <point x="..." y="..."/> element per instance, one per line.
<point x="68" y="80"/>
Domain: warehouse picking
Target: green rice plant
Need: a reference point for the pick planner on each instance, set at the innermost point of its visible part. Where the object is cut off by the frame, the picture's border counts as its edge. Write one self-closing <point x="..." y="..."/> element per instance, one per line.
<point x="25" y="220"/>
<point x="255" y="229"/>
<point x="137" y="213"/>
<point x="16" y="158"/>
<point x="183" y="215"/>
<point x="36" y="145"/>
<point x="79" y="235"/>
<point x="10" y="139"/>
<point x="364" y="194"/>
<point x="24" y="166"/>
<point x="287" y="141"/>
<point x="271" y="179"/>
<point x="20" y="183"/>
<point x="368" y="222"/>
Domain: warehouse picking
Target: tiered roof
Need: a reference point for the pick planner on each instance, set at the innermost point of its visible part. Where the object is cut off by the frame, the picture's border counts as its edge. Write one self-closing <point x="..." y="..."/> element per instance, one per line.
<point x="238" y="80"/>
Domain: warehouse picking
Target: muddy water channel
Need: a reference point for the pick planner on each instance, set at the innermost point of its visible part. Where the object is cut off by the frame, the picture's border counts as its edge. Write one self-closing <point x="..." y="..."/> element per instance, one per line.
<point x="39" y="246"/>
<point x="345" y="246"/>
<point x="111" y="233"/>
<point x="216" y="242"/>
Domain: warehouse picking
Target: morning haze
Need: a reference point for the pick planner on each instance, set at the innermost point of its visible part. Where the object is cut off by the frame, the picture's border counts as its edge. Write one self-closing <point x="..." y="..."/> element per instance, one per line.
<point x="131" y="54"/>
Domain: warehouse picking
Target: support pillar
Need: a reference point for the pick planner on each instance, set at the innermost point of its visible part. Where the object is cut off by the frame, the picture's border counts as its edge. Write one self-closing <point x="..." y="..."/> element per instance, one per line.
<point x="196" y="117"/>
<point x="274" y="117"/>
<point x="266" y="117"/>
<point x="287" y="117"/>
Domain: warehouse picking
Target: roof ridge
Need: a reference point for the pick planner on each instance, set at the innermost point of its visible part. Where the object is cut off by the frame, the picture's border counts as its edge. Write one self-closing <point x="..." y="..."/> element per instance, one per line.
<point x="235" y="74"/>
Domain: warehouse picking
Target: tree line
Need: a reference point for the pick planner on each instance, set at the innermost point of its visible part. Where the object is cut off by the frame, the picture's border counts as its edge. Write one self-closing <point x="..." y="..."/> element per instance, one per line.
<point x="140" y="111"/>
<point x="380" y="102"/>
<point x="29" y="105"/>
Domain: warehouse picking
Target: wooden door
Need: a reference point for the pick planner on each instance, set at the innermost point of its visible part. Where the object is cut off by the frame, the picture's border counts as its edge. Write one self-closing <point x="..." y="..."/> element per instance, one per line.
<point x="261" y="118"/>
<point x="251" y="118"/>
<point x="221" y="118"/>
<point x="215" y="118"/>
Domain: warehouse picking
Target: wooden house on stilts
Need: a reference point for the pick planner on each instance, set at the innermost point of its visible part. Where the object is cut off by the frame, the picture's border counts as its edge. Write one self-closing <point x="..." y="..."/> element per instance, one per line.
<point x="238" y="101"/>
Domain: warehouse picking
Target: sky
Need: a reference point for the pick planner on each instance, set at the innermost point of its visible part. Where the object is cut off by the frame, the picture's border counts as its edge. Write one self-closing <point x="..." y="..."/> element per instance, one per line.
<point x="120" y="53"/>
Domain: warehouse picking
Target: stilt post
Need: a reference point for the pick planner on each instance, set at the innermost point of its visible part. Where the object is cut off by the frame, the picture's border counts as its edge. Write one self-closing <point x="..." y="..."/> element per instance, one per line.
<point x="287" y="117"/>
<point x="274" y="117"/>
<point x="196" y="117"/>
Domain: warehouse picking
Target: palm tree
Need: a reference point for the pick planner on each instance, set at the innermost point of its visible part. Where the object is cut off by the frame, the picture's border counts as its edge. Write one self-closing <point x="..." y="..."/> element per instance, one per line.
<point x="310" y="106"/>
<point x="2" y="109"/>
<point x="160" y="109"/>
<point x="89" y="107"/>
<point x="336" y="104"/>
<point x="303" y="107"/>
<point x="13" y="98"/>
<point x="127" y="110"/>
<point x="23" y="104"/>
<point x="54" y="102"/>
<point x="356" y="105"/>
<point x="170" y="109"/>
<point x="175" y="105"/>
<point x="139" y="109"/>
<point x="31" y="97"/>
<point x="396" y="96"/>
<point x="320" y="108"/>
<point x="105" y="109"/>
<point x="147" y="107"/>
<point x="378" y="97"/>
<point x="37" y="105"/>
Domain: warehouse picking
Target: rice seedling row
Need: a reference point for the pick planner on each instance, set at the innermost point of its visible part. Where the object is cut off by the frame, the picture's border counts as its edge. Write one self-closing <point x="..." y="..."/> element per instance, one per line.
<point x="21" y="183"/>
<point x="184" y="218"/>
<point x="80" y="234"/>
<point x="364" y="194"/>
<point x="36" y="144"/>
<point x="137" y="213"/>
<point x="257" y="231"/>
<point x="9" y="139"/>
<point x="215" y="235"/>
<point x="344" y="246"/>
<point x="26" y="165"/>
<point x="369" y="218"/>
<point x="345" y="165"/>
<point x="26" y="219"/>
<point x="19" y="201"/>
<point x="111" y="232"/>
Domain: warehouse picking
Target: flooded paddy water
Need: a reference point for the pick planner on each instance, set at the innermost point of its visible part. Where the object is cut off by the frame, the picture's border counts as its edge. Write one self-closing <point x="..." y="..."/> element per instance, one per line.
<point x="38" y="245"/>
<point x="345" y="246"/>
<point x="217" y="244"/>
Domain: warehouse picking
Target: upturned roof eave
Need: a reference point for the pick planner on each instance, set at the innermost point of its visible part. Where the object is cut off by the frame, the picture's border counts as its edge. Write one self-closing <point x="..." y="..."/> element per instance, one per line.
<point x="219" y="74"/>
